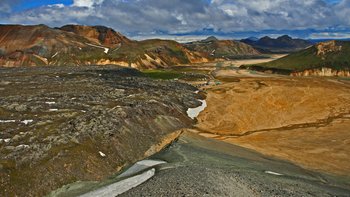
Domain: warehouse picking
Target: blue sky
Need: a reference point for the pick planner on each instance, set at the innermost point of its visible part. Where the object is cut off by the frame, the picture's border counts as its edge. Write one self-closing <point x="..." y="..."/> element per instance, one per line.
<point x="162" y="18"/>
<point x="30" y="4"/>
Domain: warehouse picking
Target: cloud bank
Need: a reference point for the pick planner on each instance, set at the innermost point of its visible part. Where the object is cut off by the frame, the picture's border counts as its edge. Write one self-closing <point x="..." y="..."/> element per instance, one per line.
<point x="147" y="17"/>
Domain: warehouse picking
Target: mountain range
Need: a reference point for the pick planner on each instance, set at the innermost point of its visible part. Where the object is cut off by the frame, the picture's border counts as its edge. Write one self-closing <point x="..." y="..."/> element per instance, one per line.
<point x="282" y="44"/>
<point x="222" y="49"/>
<point x="97" y="45"/>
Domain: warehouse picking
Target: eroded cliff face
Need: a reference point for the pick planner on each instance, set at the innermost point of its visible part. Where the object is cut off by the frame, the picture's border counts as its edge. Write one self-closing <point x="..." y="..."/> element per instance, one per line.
<point x="327" y="47"/>
<point x="323" y="72"/>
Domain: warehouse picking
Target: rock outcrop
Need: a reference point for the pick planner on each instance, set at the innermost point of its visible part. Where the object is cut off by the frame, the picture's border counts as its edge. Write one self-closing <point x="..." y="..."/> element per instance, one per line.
<point x="323" y="72"/>
<point x="324" y="48"/>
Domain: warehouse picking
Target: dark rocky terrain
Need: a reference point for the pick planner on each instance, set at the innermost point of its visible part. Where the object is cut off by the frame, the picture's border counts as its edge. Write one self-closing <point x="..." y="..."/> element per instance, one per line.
<point x="65" y="124"/>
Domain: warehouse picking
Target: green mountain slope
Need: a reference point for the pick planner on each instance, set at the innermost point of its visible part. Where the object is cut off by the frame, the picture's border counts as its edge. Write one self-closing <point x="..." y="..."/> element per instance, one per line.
<point x="222" y="49"/>
<point x="332" y="54"/>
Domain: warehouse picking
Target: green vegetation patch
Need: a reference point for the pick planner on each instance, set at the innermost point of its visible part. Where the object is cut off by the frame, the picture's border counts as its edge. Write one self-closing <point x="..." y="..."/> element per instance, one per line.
<point x="162" y="74"/>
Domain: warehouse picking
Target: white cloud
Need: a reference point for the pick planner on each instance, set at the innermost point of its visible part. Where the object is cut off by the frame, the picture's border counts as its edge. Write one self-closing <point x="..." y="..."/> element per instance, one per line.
<point x="87" y="3"/>
<point x="60" y="5"/>
<point x="181" y="16"/>
<point x="330" y="35"/>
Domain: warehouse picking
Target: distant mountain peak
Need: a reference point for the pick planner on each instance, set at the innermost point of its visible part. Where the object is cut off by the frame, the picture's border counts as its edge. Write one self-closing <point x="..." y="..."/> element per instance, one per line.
<point x="285" y="37"/>
<point x="264" y="38"/>
<point x="252" y="38"/>
<point x="211" y="38"/>
<point x="282" y="44"/>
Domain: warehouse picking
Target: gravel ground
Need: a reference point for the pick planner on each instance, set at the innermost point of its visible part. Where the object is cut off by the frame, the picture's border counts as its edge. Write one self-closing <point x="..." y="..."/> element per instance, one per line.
<point x="202" y="167"/>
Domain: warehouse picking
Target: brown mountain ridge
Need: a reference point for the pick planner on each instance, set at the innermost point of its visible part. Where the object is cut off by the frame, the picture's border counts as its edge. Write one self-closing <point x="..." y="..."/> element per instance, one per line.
<point x="40" y="45"/>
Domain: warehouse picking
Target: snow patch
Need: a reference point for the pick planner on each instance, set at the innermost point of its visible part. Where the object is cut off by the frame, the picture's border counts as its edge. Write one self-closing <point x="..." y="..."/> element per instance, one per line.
<point x="7" y="121"/>
<point x="194" y="112"/>
<point x="102" y="154"/>
<point x="140" y="166"/>
<point x="50" y="103"/>
<point x="122" y="186"/>
<point x="54" y="55"/>
<point x="22" y="146"/>
<point x="150" y="163"/>
<point x="52" y="110"/>
<point x="5" y="140"/>
<point x="273" y="173"/>
<point x="106" y="50"/>
<point x="27" y="121"/>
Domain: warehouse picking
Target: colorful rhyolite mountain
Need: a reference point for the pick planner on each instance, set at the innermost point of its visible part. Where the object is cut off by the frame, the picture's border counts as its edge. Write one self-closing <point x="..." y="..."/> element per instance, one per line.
<point x="98" y="45"/>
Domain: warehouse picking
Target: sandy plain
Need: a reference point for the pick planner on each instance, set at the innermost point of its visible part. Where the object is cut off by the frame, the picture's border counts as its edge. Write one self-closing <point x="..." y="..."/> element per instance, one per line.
<point x="302" y="120"/>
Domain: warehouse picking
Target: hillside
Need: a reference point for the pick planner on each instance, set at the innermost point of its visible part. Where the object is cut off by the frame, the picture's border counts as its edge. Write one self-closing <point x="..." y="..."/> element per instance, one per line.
<point x="41" y="45"/>
<point x="153" y="54"/>
<point x="222" y="49"/>
<point x="283" y="44"/>
<point x="84" y="45"/>
<point x="98" y="34"/>
<point x="326" y="58"/>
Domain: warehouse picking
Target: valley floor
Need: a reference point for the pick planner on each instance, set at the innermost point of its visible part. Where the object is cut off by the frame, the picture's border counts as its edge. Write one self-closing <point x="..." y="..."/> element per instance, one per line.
<point x="302" y="120"/>
<point x="198" y="166"/>
<point x="259" y="135"/>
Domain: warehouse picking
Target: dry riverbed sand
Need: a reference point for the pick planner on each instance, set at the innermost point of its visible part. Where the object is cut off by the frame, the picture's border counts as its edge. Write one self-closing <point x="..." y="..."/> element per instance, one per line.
<point x="303" y="120"/>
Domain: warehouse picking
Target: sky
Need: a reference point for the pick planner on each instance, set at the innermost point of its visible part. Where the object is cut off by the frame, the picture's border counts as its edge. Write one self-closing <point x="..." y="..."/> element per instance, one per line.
<point x="312" y="19"/>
